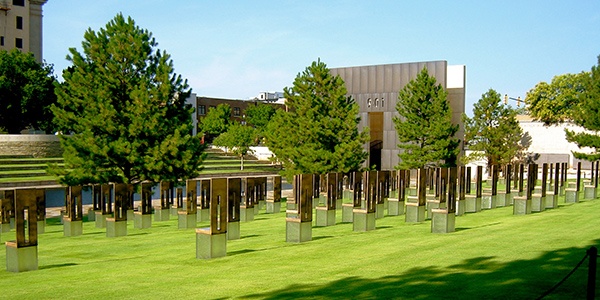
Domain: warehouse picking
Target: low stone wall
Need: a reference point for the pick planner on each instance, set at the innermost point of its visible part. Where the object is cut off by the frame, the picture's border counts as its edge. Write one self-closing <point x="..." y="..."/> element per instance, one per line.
<point x="36" y="145"/>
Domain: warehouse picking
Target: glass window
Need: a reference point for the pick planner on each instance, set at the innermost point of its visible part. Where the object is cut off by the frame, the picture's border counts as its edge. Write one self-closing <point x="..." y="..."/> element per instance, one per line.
<point x="19" y="22"/>
<point x="201" y="110"/>
<point x="19" y="2"/>
<point x="19" y="43"/>
<point x="1" y="41"/>
<point x="236" y="111"/>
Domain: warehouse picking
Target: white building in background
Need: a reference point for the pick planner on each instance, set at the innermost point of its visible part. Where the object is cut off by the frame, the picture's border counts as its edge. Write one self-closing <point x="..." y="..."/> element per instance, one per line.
<point x="551" y="143"/>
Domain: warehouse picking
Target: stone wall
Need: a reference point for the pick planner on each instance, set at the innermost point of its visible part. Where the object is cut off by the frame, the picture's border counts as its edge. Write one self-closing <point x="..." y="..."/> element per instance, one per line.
<point x="36" y="145"/>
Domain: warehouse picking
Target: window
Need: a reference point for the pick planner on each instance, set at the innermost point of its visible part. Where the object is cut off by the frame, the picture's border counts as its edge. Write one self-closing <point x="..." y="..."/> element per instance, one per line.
<point x="201" y="110"/>
<point x="19" y="43"/>
<point x="19" y="2"/>
<point x="236" y="111"/>
<point x="19" y="22"/>
<point x="1" y="40"/>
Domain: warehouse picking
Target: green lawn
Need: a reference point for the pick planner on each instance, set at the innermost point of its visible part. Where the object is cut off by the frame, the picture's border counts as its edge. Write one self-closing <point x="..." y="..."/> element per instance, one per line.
<point x="493" y="254"/>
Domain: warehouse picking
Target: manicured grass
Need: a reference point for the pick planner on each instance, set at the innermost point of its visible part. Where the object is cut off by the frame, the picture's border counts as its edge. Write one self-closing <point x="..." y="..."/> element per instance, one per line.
<point x="493" y="254"/>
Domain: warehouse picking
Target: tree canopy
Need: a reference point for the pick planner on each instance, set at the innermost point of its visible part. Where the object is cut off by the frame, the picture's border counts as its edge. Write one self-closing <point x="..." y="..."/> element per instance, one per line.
<point x="319" y="133"/>
<point x="424" y="125"/>
<point x="216" y="121"/>
<point x="259" y="116"/>
<point x="238" y="139"/>
<point x="26" y="92"/>
<point x="494" y="132"/>
<point x="587" y="115"/>
<point x="124" y="110"/>
<point x="555" y="102"/>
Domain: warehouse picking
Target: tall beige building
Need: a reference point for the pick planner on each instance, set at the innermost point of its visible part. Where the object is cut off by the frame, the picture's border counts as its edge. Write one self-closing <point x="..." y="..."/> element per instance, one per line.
<point x="21" y="26"/>
<point x="376" y="88"/>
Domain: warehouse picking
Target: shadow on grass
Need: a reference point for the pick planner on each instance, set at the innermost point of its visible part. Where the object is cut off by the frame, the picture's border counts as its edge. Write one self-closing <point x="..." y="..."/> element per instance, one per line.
<point x="243" y="251"/>
<point x="316" y="238"/>
<point x="476" y="278"/>
<point x="57" y="266"/>
<point x="249" y="236"/>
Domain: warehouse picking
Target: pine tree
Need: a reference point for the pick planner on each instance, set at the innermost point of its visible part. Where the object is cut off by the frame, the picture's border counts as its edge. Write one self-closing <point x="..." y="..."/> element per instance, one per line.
<point x="124" y="111"/>
<point x="319" y="132"/>
<point x="424" y="126"/>
<point x="587" y="115"/>
<point x="494" y="132"/>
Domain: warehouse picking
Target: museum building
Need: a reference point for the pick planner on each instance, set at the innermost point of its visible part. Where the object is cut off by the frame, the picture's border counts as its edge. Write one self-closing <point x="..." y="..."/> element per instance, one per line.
<point x="375" y="88"/>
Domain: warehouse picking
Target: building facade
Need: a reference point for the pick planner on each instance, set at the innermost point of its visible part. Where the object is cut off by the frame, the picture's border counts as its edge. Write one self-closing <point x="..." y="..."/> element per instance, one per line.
<point x="21" y="26"/>
<point x="238" y="107"/>
<point x="376" y="88"/>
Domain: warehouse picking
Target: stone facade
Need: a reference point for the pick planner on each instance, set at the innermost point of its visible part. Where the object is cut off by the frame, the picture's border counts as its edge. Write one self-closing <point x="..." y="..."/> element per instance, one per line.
<point x="35" y="145"/>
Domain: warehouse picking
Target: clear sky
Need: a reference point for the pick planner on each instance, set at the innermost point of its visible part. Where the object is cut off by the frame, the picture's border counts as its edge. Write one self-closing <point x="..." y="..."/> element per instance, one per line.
<point x="237" y="49"/>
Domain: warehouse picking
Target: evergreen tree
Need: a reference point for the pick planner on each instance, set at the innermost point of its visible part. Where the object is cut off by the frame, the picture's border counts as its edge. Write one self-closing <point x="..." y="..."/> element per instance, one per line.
<point x="494" y="132"/>
<point x="319" y="132"/>
<point x="587" y="115"/>
<point x="26" y="92"/>
<point x="424" y="126"/>
<point x="125" y="111"/>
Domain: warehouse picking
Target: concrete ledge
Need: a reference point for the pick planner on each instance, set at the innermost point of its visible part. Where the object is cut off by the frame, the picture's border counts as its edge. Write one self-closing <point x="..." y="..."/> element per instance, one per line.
<point x="72" y="228"/>
<point x="395" y="207"/>
<point x="203" y="215"/>
<point x="347" y="214"/>
<point x="185" y="220"/>
<point x="21" y="259"/>
<point x="522" y="206"/>
<point x="141" y="221"/>
<point x="36" y="145"/>
<point x="442" y="221"/>
<point x="325" y="217"/>
<point x="363" y="220"/>
<point x="273" y="207"/>
<point x="161" y="215"/>
<point x="210" y="245"/>
<point x="233" y="231"/>
<point x="115" y="228"/>
<point x="246" y="214"/>
<point x="538" y="203"/>
<point x="415" y="213"/>
<point x="297" y="232"/>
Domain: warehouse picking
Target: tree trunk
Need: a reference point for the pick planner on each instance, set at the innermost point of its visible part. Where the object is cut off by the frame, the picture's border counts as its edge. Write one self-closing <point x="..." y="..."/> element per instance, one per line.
<point x="242" y="163"/>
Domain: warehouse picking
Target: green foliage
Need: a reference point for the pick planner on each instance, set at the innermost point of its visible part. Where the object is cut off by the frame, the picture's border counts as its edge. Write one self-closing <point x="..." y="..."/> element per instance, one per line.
<point x="238" y="138"/>
<point x="319" y="133"/>
<point x="588" y="116"/>
<point x="216" y="121"/>
<point x="26" y="92"/>
<point x="259" y="116"/>
<point x="557" y="101"/>
<point x="493" y="132"/>
<point x="125" y="110"/>
<point x="424" y="126"/>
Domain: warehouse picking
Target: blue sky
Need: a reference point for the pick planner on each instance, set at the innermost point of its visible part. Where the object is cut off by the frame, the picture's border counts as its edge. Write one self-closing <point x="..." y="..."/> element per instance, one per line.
<point x="236" y="49"/>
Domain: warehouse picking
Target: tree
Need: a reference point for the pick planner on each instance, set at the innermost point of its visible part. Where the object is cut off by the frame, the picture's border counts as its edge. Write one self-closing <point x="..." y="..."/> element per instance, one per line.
<point x="259" y="116"/>
<point x="238" y="138"/>
<point x="125" y="109"/>
<point x="216" y="121"/>
<point x="319" y="133"/>
<point x="587" y="115"/>
<point x="494" y="132"/>
<point x="26" y="92"/>
<point x="424" y="126"/>
<point x="555" y="102"/>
